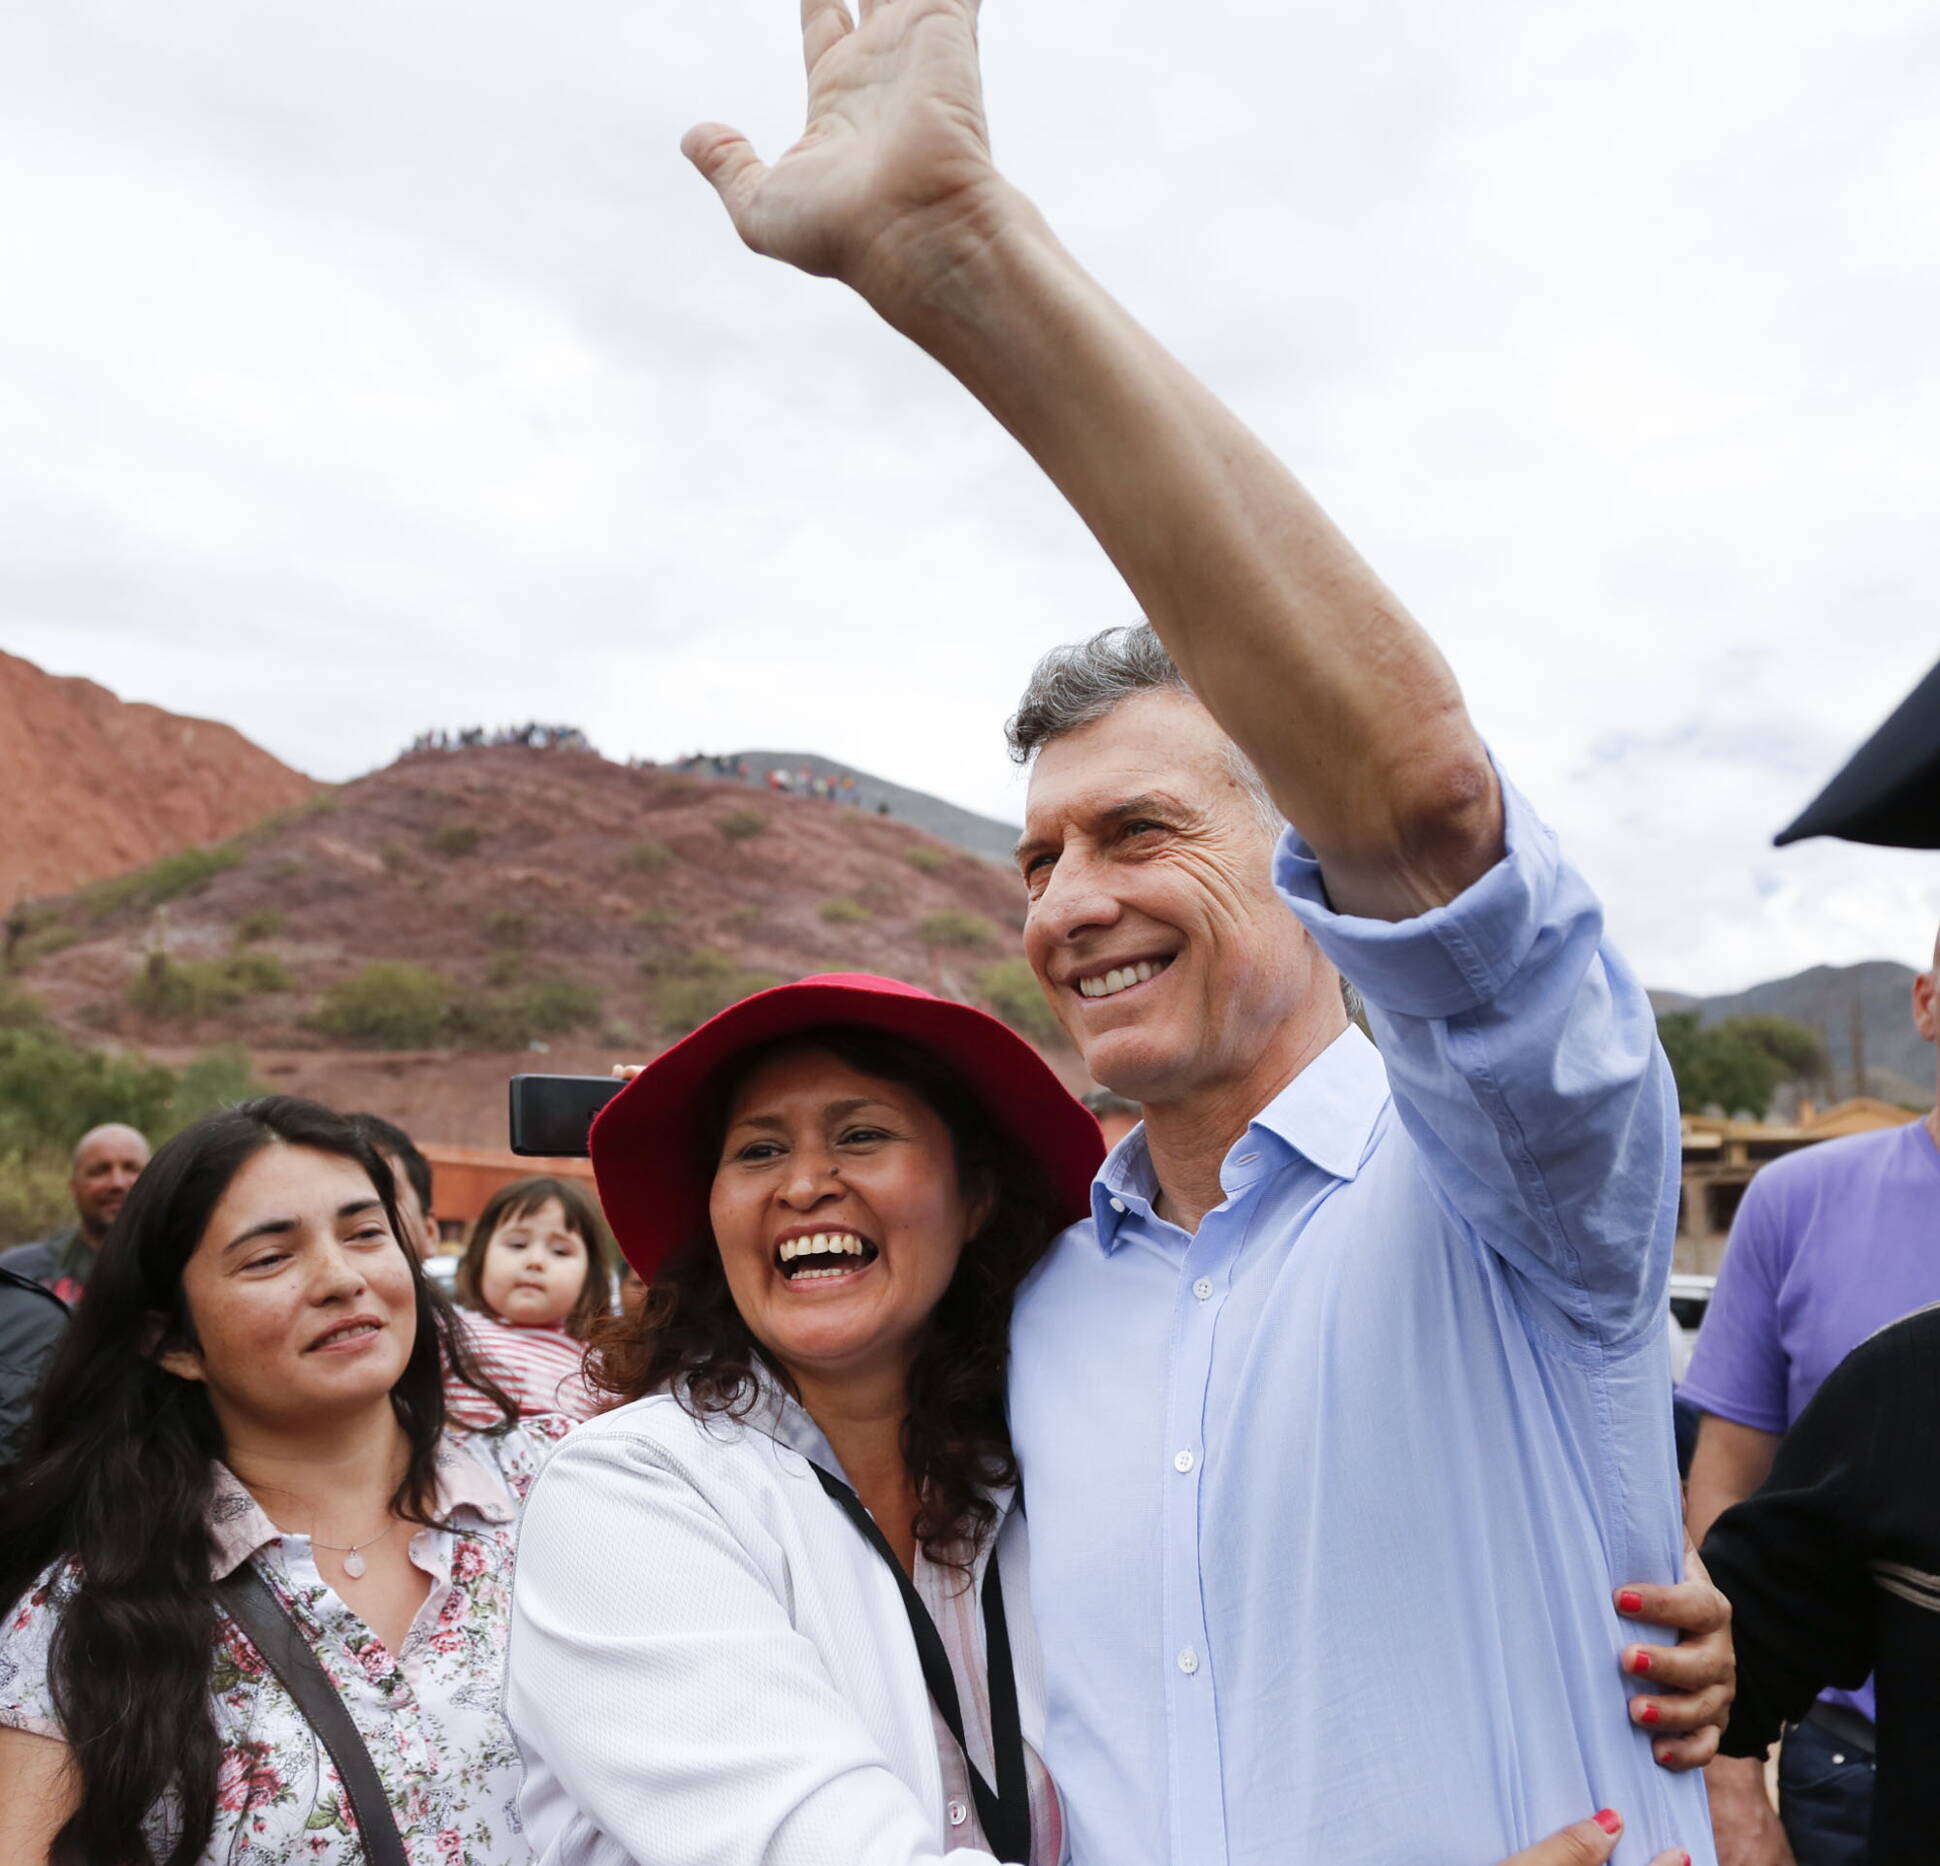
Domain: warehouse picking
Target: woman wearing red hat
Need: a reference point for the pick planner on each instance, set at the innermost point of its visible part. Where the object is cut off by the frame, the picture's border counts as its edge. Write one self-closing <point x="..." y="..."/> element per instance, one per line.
<point x="776" y="1607"/>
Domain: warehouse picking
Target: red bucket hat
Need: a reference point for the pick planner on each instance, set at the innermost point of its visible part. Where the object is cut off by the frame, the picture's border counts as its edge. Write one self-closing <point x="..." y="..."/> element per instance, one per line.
<point x="654" y="1179"/>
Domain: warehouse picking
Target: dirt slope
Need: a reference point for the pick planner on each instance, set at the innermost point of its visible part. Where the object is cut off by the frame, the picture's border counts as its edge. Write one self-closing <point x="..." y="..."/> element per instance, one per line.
<point x="91" y="785"/>
<point x="557" y="899"/>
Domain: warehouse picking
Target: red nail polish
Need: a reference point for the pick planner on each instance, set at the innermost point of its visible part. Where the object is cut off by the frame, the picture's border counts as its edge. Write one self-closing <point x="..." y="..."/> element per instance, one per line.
<point x="1641" y="1663"/>
<point x="1650" y="1713"/>
<point x="1609" y="1820"/>
<point x="1630" y="1601"/>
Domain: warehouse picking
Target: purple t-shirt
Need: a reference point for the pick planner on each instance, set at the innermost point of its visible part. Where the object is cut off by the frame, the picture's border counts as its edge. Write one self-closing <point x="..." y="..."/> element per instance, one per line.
<point x="1830" y="1244"/>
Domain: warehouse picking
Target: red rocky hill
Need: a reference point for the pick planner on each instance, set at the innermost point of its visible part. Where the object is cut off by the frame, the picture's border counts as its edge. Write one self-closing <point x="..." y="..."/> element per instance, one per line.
<point x="93" y="785"/>
<point x="512" y="902"/>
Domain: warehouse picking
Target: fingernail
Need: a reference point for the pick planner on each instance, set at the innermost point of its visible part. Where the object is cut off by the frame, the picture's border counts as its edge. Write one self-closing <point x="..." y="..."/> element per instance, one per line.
<point x="1609" y="1820"/>
<point x="1640" y="1661"/>
<point x="1650" y="1713"/>
<point x="1630" y="1601"/>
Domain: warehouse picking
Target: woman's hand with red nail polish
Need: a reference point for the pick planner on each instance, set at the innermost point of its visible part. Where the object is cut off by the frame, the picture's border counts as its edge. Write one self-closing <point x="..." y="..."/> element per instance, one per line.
<point x="1587" y="1843"/>
<point x="1692" y="1682"/>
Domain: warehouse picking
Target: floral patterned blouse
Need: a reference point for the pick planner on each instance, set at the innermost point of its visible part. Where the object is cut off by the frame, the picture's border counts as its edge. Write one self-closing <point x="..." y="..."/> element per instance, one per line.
<point x="429" y="1714"/>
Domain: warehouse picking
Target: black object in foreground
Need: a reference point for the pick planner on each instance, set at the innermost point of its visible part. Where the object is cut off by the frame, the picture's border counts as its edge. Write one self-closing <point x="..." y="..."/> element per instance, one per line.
<point x="551" y="1114"/>
<point x="1889" y="791"/>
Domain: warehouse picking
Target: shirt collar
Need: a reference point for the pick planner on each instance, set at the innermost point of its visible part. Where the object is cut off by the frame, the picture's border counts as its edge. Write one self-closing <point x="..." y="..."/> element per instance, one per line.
<point x="463" y="1480"/>
<point x="1327" y="1115"/>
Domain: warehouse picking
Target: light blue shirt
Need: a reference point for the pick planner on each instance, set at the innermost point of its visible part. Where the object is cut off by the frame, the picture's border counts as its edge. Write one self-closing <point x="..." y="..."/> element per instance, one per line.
<point x="1327" y="1500"/>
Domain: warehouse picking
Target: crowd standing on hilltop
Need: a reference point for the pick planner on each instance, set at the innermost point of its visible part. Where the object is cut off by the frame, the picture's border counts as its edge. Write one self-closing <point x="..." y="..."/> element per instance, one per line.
<point x="1293" y="1480"/>
<point x="533" y="737"/>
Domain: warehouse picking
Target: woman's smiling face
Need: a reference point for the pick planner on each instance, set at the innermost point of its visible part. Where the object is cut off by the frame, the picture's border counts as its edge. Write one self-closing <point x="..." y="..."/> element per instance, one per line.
<point x="838" y="1214"/>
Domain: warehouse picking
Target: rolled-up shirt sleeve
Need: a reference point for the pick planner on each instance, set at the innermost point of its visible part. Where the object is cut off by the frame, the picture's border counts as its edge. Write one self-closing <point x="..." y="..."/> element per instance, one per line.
<point x="1524" y="1061"/>
<point x="657" y="1683"/>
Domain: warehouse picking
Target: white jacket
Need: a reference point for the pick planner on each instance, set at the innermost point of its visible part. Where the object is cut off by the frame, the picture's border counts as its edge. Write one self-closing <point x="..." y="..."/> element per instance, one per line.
<point x="710" y="1667"/>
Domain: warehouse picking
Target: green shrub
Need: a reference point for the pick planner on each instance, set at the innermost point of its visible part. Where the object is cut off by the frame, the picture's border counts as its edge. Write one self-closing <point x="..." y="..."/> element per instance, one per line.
<point x="658" y="919"/>
<point x="739" y="825"/>
<point x="506" y="968"/>
<point x="51" y="1093"/>
<point x="748" y="919"/>
<point x="693" y="986"/>
<point x="509" y="1020"/>
<point x="20" y="1010"/>
<point x="188" y="988"/>
<point x="648" y="858"/>
<point x="454" y="839"/>
<point x="556" y="1006"/>
<point x="34" y="1195"/>
<point x="264" y="923"/>
<point x="971" y="932"/>
<point x="216" y="1079"/>
<point x="508" y="928"/>
<point x="926" y="860"/>
<point x="687" y="1003"/>
<point x="394" y="855"/>
<point x="257" y="972"/>
<point x="1011" y="989"/>
<point x="173" y="876"/>
<point x="388" y="1005"/>
<point x="842" y="912"/>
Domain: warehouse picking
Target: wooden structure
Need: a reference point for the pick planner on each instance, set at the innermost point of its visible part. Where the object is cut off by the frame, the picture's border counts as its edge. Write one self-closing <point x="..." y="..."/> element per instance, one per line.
<point x="463" y="1178"/>
<point x="1722" y="1156"/>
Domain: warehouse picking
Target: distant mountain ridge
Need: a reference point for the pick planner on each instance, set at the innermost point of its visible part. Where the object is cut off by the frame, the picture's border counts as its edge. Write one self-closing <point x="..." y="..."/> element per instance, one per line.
<point x="94" y="785"/>
<point x="981" y="835"/>
<point x="1898" y="1063"/>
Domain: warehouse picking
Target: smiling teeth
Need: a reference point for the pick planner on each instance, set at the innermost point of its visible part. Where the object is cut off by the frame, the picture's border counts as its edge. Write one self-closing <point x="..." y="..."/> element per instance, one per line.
<point x="344" y="1334"/>
<point x="1121" y="978"/>
<point x="822" y="1244"/>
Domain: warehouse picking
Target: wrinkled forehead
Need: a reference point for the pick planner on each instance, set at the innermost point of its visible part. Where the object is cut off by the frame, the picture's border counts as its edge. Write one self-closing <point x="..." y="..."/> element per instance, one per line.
<point x="1162" y="744"/>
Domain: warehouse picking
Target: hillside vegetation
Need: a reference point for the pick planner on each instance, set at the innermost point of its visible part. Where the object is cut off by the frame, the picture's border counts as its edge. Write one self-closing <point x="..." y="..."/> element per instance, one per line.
<point x="446" y="917"/>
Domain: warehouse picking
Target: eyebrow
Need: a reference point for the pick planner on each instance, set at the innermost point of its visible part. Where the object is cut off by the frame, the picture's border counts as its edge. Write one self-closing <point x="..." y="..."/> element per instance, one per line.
<point x="1146" y="803"/>
<point x="838" y="1110"/>
<point x="282" y="1227"/>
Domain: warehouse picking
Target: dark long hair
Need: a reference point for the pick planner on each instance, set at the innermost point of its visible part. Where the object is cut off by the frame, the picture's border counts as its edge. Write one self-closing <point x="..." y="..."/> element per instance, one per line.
<point x="117" y="1477"/>
<point x="688" y="1336"/>
<point x="521" y="1199"/>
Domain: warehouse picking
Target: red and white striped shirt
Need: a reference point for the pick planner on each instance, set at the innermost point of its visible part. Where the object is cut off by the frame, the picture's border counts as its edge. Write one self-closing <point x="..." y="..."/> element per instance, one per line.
<point x="540" y="1369"/>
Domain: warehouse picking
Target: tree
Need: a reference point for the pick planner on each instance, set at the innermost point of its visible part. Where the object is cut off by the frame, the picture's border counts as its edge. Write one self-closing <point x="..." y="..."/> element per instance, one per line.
<point x="1738" y="1064"/>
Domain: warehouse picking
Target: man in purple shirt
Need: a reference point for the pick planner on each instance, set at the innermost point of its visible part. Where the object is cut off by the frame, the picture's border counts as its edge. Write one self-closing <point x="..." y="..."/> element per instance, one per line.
<point x="1830" y="1245"/>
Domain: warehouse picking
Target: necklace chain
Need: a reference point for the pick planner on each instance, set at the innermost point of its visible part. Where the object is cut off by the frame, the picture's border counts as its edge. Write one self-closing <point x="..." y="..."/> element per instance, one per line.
<point x="368" y="1542"/>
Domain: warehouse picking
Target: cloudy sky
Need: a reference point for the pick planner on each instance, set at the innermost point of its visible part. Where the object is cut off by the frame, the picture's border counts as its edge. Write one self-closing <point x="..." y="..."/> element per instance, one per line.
<point x="381" y="365"/>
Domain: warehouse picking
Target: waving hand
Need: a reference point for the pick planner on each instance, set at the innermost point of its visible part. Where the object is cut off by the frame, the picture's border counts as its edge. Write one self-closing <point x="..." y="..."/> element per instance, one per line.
<point x="895" y="152"/>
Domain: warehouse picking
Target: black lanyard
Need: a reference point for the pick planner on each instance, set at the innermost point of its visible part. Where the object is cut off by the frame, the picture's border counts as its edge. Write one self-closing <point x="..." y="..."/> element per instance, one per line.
<point x="1004" y="1812"/>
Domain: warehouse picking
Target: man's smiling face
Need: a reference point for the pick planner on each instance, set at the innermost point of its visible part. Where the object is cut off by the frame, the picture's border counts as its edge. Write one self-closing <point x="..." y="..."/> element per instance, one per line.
<point x="1153" y="925"/>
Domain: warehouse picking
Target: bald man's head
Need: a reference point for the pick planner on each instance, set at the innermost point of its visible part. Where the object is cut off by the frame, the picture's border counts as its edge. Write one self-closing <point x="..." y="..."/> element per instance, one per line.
<point x="107" y="1162"/>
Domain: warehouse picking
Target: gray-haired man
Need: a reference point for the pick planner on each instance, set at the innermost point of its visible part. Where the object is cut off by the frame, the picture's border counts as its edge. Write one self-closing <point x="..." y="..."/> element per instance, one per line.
<point x="1345" y="1411"/>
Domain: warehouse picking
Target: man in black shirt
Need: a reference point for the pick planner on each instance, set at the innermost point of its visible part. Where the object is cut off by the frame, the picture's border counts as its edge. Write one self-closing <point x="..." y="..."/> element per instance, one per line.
<point x="107" y="1162"/>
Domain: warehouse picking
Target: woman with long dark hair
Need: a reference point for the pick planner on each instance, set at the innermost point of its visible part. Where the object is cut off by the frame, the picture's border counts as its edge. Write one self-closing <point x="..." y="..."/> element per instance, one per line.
<point x="244" y="1428"/>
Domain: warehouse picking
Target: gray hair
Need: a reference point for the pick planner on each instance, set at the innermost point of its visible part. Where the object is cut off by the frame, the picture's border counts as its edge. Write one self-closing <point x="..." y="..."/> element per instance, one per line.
<point x="1078" y="684"/>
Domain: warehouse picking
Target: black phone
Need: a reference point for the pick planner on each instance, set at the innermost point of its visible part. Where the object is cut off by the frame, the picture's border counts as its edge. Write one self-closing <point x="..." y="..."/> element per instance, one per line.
<point x="551" y="1114"/>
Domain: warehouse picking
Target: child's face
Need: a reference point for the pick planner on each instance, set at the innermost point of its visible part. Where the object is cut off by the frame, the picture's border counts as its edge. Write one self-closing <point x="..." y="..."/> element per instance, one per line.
<point x="534" y="1268"/>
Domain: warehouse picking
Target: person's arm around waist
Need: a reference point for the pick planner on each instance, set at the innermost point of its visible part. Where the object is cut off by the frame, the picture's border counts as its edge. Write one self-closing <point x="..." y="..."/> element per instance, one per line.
<point x="1305" y="658"/>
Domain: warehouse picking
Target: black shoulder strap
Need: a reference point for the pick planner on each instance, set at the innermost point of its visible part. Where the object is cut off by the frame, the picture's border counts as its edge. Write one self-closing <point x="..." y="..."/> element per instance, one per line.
<point x="260" y="1614"/>
<point x="1004" y="1812"/>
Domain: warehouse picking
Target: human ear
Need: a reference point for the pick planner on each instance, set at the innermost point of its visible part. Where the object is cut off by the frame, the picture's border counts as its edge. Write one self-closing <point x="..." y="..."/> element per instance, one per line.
<point x="180" y="1359"/>
<point x="1926" y="990"/>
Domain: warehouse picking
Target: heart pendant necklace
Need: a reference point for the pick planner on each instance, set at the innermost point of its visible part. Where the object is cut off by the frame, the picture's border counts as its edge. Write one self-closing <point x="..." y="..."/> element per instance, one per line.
<point x="354" y="1562"/>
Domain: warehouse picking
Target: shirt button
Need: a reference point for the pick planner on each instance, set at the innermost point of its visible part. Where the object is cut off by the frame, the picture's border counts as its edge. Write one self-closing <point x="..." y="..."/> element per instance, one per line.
<point x="1203" y="1289"/>
<point x="958" y="1813"/>
<point x="1183" y="1461"/>
<point x="1188" y="1661"/>
<point x="1118" y="1205"/>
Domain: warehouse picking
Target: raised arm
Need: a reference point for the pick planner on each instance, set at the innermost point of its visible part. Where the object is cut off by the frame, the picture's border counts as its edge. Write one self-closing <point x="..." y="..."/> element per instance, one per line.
<point x="1300" y="652"/>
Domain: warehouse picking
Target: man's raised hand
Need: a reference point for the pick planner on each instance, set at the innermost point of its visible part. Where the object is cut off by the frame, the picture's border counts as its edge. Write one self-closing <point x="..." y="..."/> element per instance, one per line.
<point x="894" y="164"/>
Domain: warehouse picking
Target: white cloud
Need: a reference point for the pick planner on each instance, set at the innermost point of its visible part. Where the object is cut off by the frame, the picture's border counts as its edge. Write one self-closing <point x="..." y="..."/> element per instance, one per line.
<point x="382" y="366"/>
